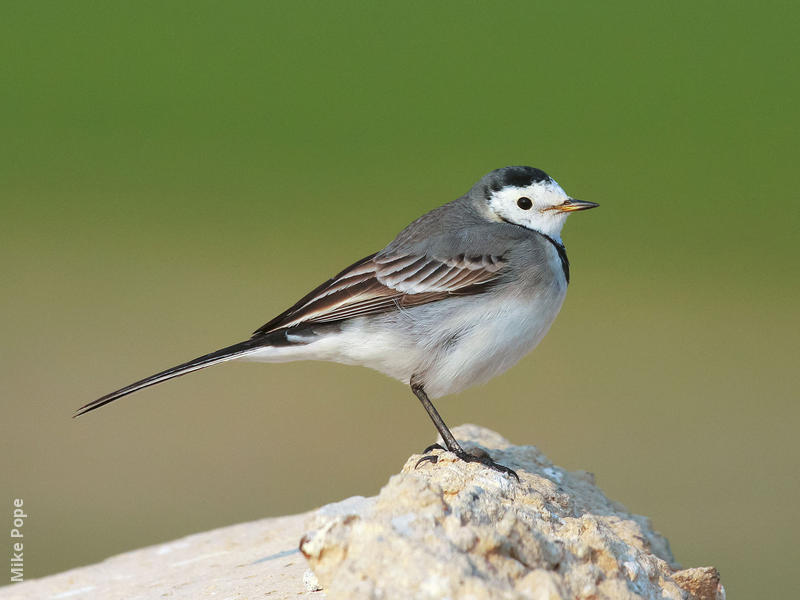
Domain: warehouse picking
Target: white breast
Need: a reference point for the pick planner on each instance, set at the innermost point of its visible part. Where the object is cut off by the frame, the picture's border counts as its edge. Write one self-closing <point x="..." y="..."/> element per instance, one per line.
<point x="496" y="336"/>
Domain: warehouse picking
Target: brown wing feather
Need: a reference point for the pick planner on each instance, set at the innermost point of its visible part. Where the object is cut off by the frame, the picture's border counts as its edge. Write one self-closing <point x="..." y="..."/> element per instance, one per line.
<point x="378" y="284"/>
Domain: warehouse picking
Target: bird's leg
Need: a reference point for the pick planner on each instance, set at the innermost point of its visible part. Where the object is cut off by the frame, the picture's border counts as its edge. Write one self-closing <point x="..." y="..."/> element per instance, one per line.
<point x="450" y="440"/>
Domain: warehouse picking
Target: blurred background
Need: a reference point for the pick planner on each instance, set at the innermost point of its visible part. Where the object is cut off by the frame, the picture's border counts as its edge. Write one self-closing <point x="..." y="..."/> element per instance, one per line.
<point x="175" y="174"/>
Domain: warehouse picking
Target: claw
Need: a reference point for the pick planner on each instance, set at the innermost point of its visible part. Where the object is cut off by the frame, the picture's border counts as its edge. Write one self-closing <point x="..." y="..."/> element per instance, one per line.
<point x="432" y="459"/>
<point x="433" y="447"/>
<point x="487" y="461"/>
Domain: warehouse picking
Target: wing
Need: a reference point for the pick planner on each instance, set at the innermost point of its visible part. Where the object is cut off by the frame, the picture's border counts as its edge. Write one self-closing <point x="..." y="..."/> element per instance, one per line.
<point x="380" y="283"/>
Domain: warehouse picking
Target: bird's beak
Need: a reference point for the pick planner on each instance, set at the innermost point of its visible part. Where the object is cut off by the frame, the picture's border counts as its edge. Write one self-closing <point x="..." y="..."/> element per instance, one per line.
<point x="571" y="205"/>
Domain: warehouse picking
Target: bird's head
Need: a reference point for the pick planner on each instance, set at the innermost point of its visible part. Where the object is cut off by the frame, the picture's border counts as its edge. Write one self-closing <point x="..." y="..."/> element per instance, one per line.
<point x="527" y="197"/>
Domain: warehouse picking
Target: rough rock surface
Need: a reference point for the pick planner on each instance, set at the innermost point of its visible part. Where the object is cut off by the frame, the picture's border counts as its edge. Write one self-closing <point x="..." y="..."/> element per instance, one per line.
<point x="449" y="530"/>
<point x="456" y="530"/>
<point x="250" y="560"/>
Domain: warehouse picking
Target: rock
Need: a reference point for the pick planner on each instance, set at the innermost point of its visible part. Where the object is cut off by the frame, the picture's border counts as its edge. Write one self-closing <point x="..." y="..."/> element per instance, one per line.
<point x="457" y="530"/>
<point x="701" y="582"/>
<point x="249" y="560"/>
<point x="445" y="530"/>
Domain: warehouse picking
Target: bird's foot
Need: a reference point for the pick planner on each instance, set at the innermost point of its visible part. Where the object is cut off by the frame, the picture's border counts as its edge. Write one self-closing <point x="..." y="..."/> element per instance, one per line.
<point x="475" y="455"/>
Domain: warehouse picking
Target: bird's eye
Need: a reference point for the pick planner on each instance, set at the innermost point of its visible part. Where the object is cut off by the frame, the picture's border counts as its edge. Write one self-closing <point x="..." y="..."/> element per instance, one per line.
<point x="524" y="203"/>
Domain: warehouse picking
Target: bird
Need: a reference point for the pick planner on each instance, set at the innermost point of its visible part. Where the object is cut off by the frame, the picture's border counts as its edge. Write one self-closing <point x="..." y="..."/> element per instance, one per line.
<point x="458" y="297"/>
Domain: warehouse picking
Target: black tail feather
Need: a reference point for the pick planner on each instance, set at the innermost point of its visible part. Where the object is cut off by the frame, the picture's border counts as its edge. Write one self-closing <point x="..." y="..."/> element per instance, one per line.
<point x="201" y="362"/>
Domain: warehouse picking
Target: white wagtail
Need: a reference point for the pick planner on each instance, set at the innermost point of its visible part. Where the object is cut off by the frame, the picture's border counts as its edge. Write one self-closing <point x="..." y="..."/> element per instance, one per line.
<point x="459" y="296"/>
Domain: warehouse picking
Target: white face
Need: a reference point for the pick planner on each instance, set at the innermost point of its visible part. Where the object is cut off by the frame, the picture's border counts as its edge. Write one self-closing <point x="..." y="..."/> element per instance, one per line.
<point x="534" y="207"/>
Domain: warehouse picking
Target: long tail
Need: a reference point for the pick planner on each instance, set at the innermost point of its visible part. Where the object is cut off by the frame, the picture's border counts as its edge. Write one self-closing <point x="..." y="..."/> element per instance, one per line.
<point x="201" y="362"/>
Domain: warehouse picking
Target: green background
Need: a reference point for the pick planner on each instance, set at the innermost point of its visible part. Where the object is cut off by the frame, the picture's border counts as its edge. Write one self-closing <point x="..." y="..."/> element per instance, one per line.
<point x="172" y="175"/>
